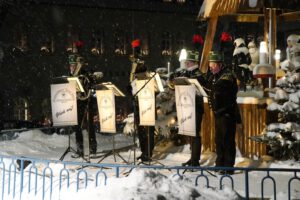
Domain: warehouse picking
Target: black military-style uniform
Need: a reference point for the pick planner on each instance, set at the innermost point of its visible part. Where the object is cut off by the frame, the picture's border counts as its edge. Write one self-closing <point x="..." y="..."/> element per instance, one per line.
<point x="84" y="107"/>
<point x="146" y="142"/>
<point x="145" y="133"/>
<point x="86" y="110"/>
<point x="199" y="110"/>
<point x="222" y="94"/>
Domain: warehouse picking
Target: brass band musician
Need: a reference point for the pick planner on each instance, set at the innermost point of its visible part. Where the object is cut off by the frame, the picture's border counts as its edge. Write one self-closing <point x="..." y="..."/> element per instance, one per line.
<point x="146" y="141"/>
<point x="85" y="107"/>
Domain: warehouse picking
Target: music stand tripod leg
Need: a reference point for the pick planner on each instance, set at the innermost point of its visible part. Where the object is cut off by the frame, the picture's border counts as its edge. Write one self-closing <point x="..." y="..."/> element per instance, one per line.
<point x="113" y="152"/>
<point x="87" y="112"/>
<point x="116" y="152"/>
<point x="150" y="157"/>
<point x="69" y="148"/>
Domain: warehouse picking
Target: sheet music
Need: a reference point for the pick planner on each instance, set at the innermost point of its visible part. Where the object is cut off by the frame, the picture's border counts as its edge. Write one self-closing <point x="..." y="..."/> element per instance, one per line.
<point x="198" y="86"/>
<point x="115" y="90"/>
<point x="181" y="81"/>
<point x="79" y="87"/>
<point x="158" y="82"/>
<point x="187" y="81"/>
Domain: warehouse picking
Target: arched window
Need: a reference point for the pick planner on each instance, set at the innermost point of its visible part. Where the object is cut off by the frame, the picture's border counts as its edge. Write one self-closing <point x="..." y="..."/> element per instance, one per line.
<point x="47" y="45"/>
<point x="121" y="42"/>
<point x="20" y="40"/>
<point x="180" y="42"/>
<point x="145" y="42"/>
<point x="74" y="42"/>
<point x="166" y="44"/>
<point x="21" y="109"/>
<point x="97" y="46"/>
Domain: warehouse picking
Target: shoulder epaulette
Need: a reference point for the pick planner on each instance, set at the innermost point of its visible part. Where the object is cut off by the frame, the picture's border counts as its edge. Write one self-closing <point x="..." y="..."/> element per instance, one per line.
<point x="227" y="75"/>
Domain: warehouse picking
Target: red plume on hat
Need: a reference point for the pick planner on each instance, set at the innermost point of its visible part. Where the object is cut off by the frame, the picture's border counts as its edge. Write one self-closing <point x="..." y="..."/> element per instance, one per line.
<point x="226" y="37"/>
<point x="78" y="43"/>
<point x="197" y="39"/>
<point x="136" y="47"/>
<point x="135" y="43"/>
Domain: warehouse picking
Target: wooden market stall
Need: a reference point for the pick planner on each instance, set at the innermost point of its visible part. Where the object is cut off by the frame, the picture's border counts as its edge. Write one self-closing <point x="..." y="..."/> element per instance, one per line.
<point x="253" y="109"/>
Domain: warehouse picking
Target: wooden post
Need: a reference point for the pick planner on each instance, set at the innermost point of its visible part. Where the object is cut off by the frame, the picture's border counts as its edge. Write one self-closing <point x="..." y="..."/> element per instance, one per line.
<point x="273" y="36"/>
<point x="209" y="39"/>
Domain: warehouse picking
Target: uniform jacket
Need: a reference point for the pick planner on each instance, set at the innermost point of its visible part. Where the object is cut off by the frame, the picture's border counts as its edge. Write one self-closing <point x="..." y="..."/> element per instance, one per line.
<point x="222" y="93"/>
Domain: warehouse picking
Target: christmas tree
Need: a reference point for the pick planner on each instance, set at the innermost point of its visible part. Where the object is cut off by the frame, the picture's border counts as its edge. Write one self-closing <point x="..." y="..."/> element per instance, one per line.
<point x="282" y="136"/>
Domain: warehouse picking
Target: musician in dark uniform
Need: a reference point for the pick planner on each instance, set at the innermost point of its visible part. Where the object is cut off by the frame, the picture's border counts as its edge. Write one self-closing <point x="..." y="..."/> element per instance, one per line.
<point x="191" y="70"/>
<point x="146" y="141"/>
<point x="222" y="89"/>
<point x="86" y="108"/>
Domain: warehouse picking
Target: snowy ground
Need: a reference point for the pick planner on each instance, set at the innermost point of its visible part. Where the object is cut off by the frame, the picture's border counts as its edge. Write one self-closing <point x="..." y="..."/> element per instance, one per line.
<point x="147" y="183"/>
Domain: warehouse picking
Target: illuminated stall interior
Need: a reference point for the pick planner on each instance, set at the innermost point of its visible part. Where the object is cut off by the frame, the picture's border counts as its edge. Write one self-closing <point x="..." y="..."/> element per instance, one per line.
<point x="272" y="15"/>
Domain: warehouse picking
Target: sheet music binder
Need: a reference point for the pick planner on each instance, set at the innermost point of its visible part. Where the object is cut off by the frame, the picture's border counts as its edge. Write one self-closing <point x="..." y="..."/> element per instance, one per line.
<point x="146" y="75"/>
<point x="79" y="87"/>
<point x="158" y="83"/>
<point x="67" y="79"/>
<point x="110" y="86"/>
<point x="187" y="81"/>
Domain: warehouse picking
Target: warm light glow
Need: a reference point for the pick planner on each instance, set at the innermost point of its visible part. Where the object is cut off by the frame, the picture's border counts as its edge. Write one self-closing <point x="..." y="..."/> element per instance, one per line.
<point x="277" y="58"/>
<point x="263" y="47"/>
<point x="263" y="53"/>
<point x="183" y="55"/>
<point x="158" y="111"/>
<point x="277" y="54"/>
<point x="172" y="121"/>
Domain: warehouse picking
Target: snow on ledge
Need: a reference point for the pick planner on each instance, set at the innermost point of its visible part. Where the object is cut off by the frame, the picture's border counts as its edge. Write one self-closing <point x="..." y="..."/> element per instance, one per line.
<point x="250" y="100"/>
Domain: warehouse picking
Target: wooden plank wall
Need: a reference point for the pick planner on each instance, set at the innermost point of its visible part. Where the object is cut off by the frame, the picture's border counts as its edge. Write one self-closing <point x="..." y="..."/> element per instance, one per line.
<point x="253" y="119"/>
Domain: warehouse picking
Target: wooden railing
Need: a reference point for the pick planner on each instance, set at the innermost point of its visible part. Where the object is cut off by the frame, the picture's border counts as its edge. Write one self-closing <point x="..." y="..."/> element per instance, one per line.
<point x="253" y="112"/>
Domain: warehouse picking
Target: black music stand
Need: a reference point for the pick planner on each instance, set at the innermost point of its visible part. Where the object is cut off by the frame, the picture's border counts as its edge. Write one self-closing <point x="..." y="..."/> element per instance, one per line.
<point x="145" y="76"/>
<point x="113" y="152"/>
<point x="153" y="161"/>
<point x="64" y="80"/>
<point x="117" y="92"/>
<point x="189" y="81"/>
<point x="198" y="87"/>
<point x="69" y="148"/>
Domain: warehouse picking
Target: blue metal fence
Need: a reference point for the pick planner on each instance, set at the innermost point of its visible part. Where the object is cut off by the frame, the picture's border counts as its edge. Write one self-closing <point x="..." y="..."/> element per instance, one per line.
<point x="39" y="176"/>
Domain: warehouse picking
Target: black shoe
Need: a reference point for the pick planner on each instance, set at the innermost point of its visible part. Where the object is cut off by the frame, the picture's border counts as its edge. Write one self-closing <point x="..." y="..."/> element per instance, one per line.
<point x="191" y="163"/>
<point x="195" y="164"/>
<point x="145" y="158"/>
<point x="140" y="157"/>
<point x="187" y="163"/>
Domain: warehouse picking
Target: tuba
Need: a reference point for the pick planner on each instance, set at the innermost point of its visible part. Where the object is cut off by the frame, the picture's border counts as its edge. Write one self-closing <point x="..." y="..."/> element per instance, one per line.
<point x="83" y="79"/>
<point x="137" y="66"/>
<point x="85" y="82"/>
